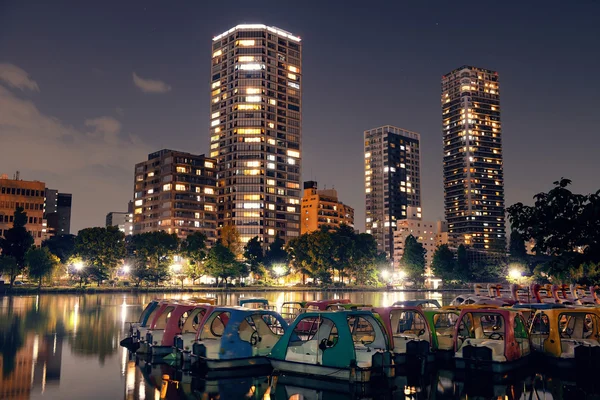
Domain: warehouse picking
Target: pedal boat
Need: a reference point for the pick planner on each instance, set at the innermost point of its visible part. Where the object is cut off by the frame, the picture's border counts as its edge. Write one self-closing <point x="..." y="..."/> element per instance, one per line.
<point x="345" y="345"/>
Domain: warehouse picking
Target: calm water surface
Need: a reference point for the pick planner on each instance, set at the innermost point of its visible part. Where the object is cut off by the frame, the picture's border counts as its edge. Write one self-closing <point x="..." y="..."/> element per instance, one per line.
<point x="67" y="347"/>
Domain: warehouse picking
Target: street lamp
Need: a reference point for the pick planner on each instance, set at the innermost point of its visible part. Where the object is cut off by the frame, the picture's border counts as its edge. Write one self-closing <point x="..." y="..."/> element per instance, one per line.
<point x="78" y="266"/>
<point x="385" y="274"/>
<point x="126" y="269"/>
<point x="516" y="274"/>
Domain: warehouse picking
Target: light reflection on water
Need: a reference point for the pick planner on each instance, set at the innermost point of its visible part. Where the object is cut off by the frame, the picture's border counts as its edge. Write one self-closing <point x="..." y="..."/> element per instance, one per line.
<point x="67" y="346"/>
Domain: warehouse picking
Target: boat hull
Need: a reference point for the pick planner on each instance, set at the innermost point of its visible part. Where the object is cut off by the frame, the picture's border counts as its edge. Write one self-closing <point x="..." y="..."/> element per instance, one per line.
<point x="346" y="374"/>
<point x="236" y="363"/>
<point x="490" y="366"/>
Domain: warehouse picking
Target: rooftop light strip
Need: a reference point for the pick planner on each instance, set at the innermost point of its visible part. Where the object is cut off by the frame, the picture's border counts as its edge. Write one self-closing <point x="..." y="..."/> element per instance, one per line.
<point x="273" y="29"/>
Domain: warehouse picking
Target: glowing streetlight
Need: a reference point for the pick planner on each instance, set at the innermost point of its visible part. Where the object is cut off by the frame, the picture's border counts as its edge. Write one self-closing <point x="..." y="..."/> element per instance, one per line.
<point x="515" y="274"/>
<point x="278" y="270"/>
<point x="78" y="266"/>
<point x="385" y="274"/>
<point x="401" y="274"/>
<point x="126" y="269"/>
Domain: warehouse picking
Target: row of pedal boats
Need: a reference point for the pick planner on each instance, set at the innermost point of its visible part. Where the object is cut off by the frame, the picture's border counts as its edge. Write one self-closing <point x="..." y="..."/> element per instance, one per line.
<point x="340" y="340"/>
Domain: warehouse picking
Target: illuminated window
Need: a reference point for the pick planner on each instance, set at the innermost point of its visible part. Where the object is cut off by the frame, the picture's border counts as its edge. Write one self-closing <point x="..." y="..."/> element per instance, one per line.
<point x="246" y="58"/>
<point x="251" y="205"/>
<point x="291" y="161"/>
<point x="271" y="232"/>
<point x="217" y="53"/>
<point x="215" y="92"/>
<point x="271" y="165"/>
<point x="291" y="209"/>
<point x="271" y="125"/>
<point x="138" y="210"/>
<point x="294" y="85"/>
<point x="271" y="141"/>
<point x="252" y="140"/>
<point x="197" y="215"/>
<point x="252" y="197"/>
<point x="179" y="187"/>
<point x="251" y="171"/>
<point x="293" y="69"/>
<point x="208" y="207"/>
<point x="248" y="107"/>
<point x="252" y="91"/>
<point x="215" y="99"/>
<point x="181" y="169"/>
<point x="253" y="164"/>
<point x="166" y="187"/>
<point x="249" y="131"/>
<point x="214" y="138"/>
<point x="271" y="157"/>
<point x="273" y="102"/>
<point x="271" y="182"/>
<point x="216" y="84"/>
<point x="246" y="42"/>
<point x="215" y="114"/>
<point x="253" y="99"/>
<point x="209" y="191"/>
<point x="209" y="164"/>
<point x="271" y="206"/>
<point x="150" y="174"/>
<point x="292" y="76"/>
<point x="251" y="67"/>
<point x="139" y="202"/>
<point x="293" y="153"/>
<point x="215" y="122"/>
<point x="150" y="191"/>
<point x="294" y="201"/>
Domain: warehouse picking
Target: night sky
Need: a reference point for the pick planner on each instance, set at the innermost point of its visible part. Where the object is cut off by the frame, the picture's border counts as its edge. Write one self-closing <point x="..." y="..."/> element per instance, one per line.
<point x="87" y="89"/>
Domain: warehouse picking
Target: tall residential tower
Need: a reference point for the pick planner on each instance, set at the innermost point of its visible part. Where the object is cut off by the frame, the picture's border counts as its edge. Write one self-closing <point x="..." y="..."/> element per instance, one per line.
<point x="392" y="181"/>
<point x="473" y="175"/>
<point x="256" y="125"/>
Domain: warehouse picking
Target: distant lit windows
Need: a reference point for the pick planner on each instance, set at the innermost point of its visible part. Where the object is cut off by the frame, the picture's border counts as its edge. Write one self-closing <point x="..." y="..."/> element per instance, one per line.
<point x="294" y="85"/>
<point x="209" y="164"/>
<point x="271" y="182"/>
<point x="138" y="211"/>
<point x="215" y="122"/>
<point x="292" y="76"/>
<point x="291" y="161"/>
<point x="216" y="114"/>
<point x="252" y="91"/>
<point x="180" y="187"/>
<point x="253" y="164"/>
<point x="249" y="131"/>
<point x="139" y="202"/>
<point x="166" y="187"/>
<point x="248" y="107"/>
<point x="209" y="207"/>
<point x="246" y="58"/>
<point x="253" y="99"/>
<point x="209" y="191"/>
<point x="252" y="197"/>
<point x="270" y="165"/>
<point x="215" y="84"/>
<point x="246" y="42"/>
<point x="182" y="170"/>
<point x="217" y="53"/>
<point x="251" y="67"/>
<point x="293" y="153"/>
<point x="293" y="69"/>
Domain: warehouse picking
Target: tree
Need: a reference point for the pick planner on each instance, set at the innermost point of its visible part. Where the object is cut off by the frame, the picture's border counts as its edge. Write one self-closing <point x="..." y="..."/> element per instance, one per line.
<point x="517" y="250"/>
<point x="221" y="263"/>
<point x="413" y="258"/>
<point x="194" y="249"/>
<point x="276" y="254"/>
<point x="62" y="246"/>
<point x="230" y="238"/>
<point x="154" y="254"/>
<point x="102" y="250"/>
<point x="40" y="263"/>
<point x="16" y="242"/>
<point x="463" y="269"/>
<point x="365" y="259"/>
<point x="344" y="240"/>
<point x="253" y="253"/>
<point x="443" y="263"/>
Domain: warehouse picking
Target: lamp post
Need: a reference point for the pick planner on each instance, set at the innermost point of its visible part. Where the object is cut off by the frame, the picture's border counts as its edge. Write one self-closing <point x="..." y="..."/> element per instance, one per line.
<point x="79" y="266"/>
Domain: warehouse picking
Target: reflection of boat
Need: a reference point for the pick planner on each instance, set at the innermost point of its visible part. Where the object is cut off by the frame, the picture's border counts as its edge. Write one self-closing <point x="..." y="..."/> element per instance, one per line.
<point x="568" y="337"/>
<point x="422" y="303"/>
<point x="299" y="387"/>
<point x="229" y="388"/>
<point x="348" y="345"/>
<point x="237" y="337"/>
<point x="493" y="340"/>
<point x="409" y="333"/>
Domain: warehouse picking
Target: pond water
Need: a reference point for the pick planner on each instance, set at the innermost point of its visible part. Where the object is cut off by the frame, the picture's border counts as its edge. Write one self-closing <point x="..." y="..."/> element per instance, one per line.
<point x="67" y="347"/>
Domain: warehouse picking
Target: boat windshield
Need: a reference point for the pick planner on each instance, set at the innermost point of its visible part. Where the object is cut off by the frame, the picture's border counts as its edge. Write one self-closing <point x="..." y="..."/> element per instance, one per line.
<point x="193" y="320"/>
<point x="146" y="312"/>
<point x="362" y="330"/>
<point x="482" y="326"/>
<point x="578" y="326"/>
<point x="215" y="326"/>
<point x="444" y="323"/>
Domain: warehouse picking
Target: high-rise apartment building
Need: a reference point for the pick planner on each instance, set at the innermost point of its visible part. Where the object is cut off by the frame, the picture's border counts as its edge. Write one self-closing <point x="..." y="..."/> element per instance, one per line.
<point x="175" y="192"/>
<point x="473" y="172"/>
<point x="392" y="181"/>
<point x="57" y="212"/>
<point x="27" y="194"/>
<point x="256" y="125"/>
<point x="321" y="208"/>
<point x="122" y="220"/>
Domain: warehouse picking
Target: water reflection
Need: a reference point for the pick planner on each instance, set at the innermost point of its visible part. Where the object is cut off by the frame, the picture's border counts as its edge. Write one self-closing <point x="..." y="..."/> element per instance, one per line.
<point x="67" y="346"/>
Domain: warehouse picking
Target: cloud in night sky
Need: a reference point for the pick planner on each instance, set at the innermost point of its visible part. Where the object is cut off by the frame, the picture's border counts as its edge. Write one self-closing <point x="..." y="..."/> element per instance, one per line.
<point x="93" y="161"/>
<point x="16" y="77"/>
<point x="150" y="85"/>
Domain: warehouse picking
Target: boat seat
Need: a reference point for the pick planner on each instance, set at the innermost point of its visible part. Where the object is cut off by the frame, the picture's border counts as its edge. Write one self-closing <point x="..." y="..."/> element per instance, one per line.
<point x="497" y="347"/>
<point x="305" y="352"/>
<point x="445" y="342"/>
<point x="568" y="346"/>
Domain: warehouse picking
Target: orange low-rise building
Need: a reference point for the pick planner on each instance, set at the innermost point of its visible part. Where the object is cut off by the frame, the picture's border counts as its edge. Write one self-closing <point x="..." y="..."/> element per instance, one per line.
<point x="27" y="194"/>
<point x="321" y="208"/>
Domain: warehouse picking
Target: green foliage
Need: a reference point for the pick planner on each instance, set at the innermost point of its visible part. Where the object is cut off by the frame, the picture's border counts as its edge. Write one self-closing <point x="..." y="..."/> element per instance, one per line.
<point x="154" y="253"/>
<point x="40" y="263"/>
<point x="16" y="242"/>
<point x="62" y="246"/>
<point x="517" y="249"/>
<point x="443" y="264"/>
<point x="194" y="249"/>
<point x="102" y="251"/>
<point x="221" y="263"/>
<point x="413" y="259"/>
<point x="564" y="226"/>
<point x="462" y="263"/>
<point x="253" y="253"/>
<point x="276" y="254"/>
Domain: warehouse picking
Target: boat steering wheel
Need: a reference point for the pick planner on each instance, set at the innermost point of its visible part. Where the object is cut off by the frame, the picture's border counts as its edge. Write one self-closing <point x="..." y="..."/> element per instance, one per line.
<point x="421" y="332"/>
<point x="496" y="336"/>
<point x="254" y="338"/>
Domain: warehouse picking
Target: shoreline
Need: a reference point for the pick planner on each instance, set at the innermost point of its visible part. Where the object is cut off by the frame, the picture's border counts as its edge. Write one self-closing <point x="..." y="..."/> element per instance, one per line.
<point x="94" y="290"/>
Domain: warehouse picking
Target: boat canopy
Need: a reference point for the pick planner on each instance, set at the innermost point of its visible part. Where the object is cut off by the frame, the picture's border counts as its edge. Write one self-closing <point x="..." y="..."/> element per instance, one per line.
<point x="321" y="305"/>
<point x="423" y="303"/>
<point x="339" y="339"/>
<point x="240" y="329"/>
